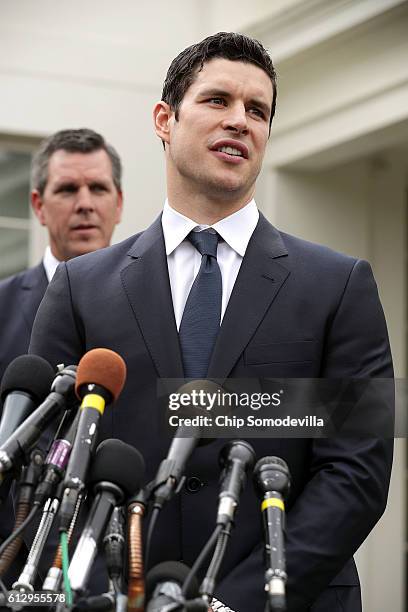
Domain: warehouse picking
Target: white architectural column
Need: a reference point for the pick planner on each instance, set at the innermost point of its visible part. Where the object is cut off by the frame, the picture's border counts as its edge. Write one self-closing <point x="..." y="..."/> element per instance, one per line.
<point x="385" y="575"/>
<point x="359" y="208"/>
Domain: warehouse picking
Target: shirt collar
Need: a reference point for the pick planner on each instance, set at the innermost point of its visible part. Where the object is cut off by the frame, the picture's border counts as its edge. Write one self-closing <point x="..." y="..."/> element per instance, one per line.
<point x="236" y="229"/>
<point x="50" y="263"/>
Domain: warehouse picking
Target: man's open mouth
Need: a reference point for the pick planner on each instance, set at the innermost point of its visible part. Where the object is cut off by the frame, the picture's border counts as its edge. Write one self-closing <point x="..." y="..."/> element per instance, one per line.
<point x="231" y="147"/>
<point x="230" y="151"/>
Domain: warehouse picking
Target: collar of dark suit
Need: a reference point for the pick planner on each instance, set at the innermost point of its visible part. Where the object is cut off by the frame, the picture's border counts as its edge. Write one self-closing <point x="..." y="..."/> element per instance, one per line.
<point x="270" y="238"/>
<point x="34" y="278"/>
<point x="34" y="284"/>
<point x="264" y="232"/>
<point x="147" y="239"/>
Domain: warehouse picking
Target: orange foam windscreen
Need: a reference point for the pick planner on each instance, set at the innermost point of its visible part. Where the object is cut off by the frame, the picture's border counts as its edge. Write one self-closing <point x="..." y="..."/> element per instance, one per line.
<point x="102" y="367"/>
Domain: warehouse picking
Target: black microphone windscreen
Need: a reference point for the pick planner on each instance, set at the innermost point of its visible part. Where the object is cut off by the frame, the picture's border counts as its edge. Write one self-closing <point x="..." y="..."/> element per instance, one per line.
<point x="237" y="449"/>
<point x="119" y="463"/>
<point x="271" y="461"/>
<point x="271" y="473"/>
<point x="170" y="571"/>
<point x="29" y="373"/>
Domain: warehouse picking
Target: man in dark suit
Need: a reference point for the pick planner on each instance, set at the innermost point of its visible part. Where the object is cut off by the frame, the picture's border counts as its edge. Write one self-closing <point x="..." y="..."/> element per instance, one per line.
<point x="76" y="193"/>
<point x="287" y="308"/>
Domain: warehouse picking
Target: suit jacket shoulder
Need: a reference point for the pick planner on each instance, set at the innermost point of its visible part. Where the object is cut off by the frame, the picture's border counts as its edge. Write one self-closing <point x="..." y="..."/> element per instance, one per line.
<point x="304" y="251"/>
<point x="27" y="278"/>
<point x="20" y="296"/>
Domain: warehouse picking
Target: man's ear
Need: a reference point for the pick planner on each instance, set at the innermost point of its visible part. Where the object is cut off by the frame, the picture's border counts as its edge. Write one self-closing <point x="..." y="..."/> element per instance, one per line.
<point x="37" y="206"/>
<point x="162" y="116"/>
<point x="119" y="208"/>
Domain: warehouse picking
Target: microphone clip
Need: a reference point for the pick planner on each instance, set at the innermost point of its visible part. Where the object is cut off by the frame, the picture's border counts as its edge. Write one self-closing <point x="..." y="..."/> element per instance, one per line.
<point x="164" y="487"/>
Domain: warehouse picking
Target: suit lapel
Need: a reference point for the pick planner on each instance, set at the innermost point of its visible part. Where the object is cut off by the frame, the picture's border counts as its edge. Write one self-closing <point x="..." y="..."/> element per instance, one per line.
<point x="147" y="286"/>
<point x="259" y="280"/>
<point x="34" y="285"/>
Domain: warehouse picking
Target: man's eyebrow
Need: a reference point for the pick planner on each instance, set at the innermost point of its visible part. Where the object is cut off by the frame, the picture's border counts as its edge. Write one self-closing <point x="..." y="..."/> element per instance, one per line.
<point x="64" y="183"/>
<point x="73" y="182"/>
<point x="214" y="92"/>
<point x="99" y="181"/>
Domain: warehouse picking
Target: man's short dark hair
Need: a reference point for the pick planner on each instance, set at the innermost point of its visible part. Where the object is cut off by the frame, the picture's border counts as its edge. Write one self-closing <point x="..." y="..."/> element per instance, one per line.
<point x="228" y="45"/>
<point x="82" y="140"/>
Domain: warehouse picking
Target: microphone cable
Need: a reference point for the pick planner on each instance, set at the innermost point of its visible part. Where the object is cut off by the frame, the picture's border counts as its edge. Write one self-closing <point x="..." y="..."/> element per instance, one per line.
<point x="136" y="584"/>
<point x="201" y="558"/>
<point x="3" y="589"/>
<point x="29" y="518"/>
<point x="28" y="482"/>
<point x="149" y="536"/>
<point x="208" y="584"/>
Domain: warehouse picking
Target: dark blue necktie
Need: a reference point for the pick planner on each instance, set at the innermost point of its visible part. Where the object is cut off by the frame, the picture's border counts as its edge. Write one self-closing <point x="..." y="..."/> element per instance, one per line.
<point x="200" y="323"/>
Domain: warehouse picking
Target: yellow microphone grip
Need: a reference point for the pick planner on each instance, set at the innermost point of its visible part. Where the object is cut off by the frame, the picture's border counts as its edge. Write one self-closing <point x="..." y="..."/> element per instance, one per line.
<point x="274" y="502"/>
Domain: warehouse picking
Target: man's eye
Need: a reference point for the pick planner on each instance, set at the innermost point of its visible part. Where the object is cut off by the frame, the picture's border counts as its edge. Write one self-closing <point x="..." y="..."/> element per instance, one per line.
<point x="257" y="112"/>
<point x="67" y="189"/>
<point x="98" y="188"/>
<point x="220" y="101"/>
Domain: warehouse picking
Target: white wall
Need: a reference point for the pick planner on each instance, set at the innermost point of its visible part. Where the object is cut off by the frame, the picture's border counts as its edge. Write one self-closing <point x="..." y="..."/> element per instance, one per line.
<point x="239" y="15"/>
<point x="327" y="207"/>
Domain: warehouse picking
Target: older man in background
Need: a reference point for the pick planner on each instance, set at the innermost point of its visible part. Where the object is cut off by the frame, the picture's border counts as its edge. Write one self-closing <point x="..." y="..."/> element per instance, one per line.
<point x="76" y="194"/>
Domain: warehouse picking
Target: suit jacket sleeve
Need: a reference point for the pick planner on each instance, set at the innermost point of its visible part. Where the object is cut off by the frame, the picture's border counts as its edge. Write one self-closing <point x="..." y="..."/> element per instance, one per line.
<point x="348" y="479"/>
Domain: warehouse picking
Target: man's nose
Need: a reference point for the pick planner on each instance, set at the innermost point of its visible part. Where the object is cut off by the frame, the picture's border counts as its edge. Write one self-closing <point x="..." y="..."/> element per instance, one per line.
<point x="236" y="119"/>
<point x="84" y="200"/>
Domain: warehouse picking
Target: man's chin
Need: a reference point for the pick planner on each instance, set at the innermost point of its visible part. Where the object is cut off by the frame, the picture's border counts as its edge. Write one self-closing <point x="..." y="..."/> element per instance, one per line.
<point x="83" y="248"/>
<point x="229" y="187"/>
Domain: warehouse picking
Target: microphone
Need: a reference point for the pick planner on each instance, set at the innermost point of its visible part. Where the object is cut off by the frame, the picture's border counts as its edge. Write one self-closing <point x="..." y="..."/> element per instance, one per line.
<point x="25" y="384"/>
<point x="114" y="545"/>
<point x="14" y="449"/>
<point x="117" y="472"/>
<point x="236" y="459"/>
<point x="170" y="475"/>
<point x="272" y="484"/>
<point x="164" y="589"/>
<point x="101" y="375"/>
<point x="56" y="462"/>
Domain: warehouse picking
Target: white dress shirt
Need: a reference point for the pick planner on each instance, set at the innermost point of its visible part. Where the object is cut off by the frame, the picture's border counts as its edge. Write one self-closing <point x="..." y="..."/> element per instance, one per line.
<point x="184" y="260"/>
<point x="50" y="263"/>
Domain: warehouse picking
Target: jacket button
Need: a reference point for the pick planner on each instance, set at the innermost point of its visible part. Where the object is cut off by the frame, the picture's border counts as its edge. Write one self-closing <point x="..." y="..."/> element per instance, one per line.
<point x="194" y="484"/>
